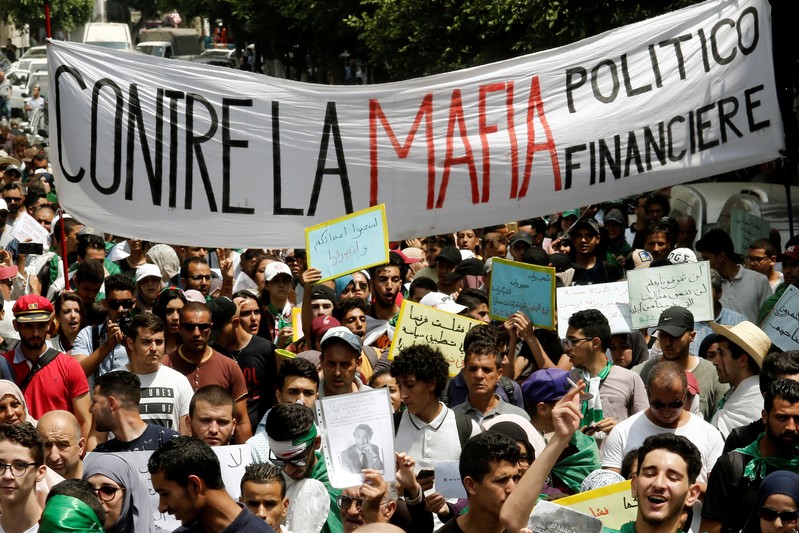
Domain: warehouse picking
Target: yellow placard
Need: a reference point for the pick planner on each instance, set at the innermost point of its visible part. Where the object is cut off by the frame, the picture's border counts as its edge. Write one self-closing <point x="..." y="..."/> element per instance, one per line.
<point x="614" y="504"/>
<point x="420" y="324"/>
<point x="348" y="244"/>
<point x="296" y="324"/>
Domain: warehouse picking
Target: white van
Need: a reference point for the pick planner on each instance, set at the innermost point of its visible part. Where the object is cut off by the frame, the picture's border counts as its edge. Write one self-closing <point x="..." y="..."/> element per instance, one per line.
<point x="108" y="34"/>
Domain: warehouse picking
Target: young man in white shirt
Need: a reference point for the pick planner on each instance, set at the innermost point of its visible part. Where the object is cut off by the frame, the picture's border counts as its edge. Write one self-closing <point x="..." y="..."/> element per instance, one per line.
<point x="22" y="463"/>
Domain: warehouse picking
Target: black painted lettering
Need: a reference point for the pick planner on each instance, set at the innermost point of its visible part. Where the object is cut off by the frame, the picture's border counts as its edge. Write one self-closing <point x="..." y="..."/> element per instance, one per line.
<point x="571" y="164"/>
<point x="749" y="12"/>
<point x="672" y="138"/>
<point x="657" y="146"/>
<point x="726" y="116"/>
<point x="227" y="144"/>
<point x="633" y="155"/>
<point x="193" y="147"/>
<point x="277" y="182"/>
<point x="173" y="96"/>
<point x="613" y="160"/>
<point x="592" y="161"/>
<point x="714" y="47"/>
<point x="628" y="84"/>
<point x="653" y="58"/>
<point x="751" y="105"/>
<point x="703" y="49"/>
<point x="118" y="108"/>
<point x="675" y="42"/>
<point x="614" y="78"/>
<point x="575" y="78"/>
<point x="702" y="125"/>
<point x="136" y="121"/>
<point x="64" y="69"/>
<point x="331" y="127"/>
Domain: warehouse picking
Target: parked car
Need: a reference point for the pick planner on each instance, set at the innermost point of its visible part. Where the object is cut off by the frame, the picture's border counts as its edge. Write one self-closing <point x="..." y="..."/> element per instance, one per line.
<point x="18" y="97"/>
<point x="108" y="34"/>
<point x="35" y="52"/>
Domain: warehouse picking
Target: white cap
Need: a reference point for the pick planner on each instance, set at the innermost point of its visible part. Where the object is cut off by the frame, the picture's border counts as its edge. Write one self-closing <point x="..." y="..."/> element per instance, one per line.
<point x="275" y="268"/>
<point x="3" y="205"/>
<point x="441" y="301"/>
<point x="344" y="334"/>
<point x="147" y="270"/>
<point x="682" y="255"/>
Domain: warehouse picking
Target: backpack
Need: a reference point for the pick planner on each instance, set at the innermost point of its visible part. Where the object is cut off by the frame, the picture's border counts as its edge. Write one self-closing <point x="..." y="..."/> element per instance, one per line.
<point x="462" y="422"/>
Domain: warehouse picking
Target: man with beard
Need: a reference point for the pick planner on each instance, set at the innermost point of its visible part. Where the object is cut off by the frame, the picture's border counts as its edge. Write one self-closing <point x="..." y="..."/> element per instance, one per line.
<point x="386" y="283"/>
<point x="56" y="380"/>
<point x="735" y="480"/>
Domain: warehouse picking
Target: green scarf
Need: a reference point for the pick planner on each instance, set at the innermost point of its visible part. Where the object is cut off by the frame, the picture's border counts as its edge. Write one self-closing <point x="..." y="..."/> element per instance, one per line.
<point x="592" y="409"/>
<point x="629" y="527"/>
<point x="756" y="468"/>
<point x="334" y="523"/>
<point x="572" y="470"/>
<point x="65" y="514"/>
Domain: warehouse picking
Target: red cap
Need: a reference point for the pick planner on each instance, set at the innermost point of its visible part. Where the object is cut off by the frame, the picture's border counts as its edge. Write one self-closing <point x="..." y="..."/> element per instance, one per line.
<point x="321" y="325"/>
<point x="792" y="252"/>
<point x="693" y="384"/>
<point x="32" y="308"/>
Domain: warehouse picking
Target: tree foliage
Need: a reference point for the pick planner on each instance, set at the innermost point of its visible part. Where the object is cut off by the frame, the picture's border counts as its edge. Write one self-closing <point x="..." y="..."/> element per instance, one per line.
<point x="64" y="14"/>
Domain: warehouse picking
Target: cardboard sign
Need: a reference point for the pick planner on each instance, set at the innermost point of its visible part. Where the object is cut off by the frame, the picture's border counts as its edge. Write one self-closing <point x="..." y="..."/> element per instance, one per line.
<point x="745" y="228"/>
<point x="613" y="504"/>
<point x="782" y="325"/>
<point x="653" y="290"/>
<point x="357" y="433"/>
<point x="26" y="229"/>
<point x="548" y="517"/>
<point x="420" y="324"/>
<point x="611" y="299"/>
<point x="296" y="324"/>
<point x="522" y="287"/>
<point x="232" y="460"/>
<point x="349" y="243"/>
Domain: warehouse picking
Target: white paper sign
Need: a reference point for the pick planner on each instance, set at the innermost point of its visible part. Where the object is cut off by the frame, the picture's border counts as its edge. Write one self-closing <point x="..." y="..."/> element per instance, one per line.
<point x="179" y="152"/>
<point x="26" y="229"/>
<point x="611" y="299"/>
<point x="550" y="517"/>
<point x="232" y="460"/>
<point x="782" y="325"/>
<point x="357" y="433"/>
<point x="448" y="479"/>
<point x="653" y="290"/>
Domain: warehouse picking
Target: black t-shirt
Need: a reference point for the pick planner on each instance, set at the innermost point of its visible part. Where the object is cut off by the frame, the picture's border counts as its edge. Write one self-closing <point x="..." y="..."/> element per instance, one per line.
<point x="450" y="527"/>
<point x="730" y="495"/>
<point x="257" y="363"/>
<point x="744" y="435"/>
<point x="601" y="272"/>
<point x="245" y="522"/>
<point x="153" y="438"/>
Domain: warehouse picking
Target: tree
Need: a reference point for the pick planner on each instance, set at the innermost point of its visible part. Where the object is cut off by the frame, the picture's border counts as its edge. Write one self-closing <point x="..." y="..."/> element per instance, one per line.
<point x="65" y="15"/>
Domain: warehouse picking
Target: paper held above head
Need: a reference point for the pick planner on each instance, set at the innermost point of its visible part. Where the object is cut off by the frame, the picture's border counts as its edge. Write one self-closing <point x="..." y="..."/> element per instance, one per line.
<point x="177" y="152"/>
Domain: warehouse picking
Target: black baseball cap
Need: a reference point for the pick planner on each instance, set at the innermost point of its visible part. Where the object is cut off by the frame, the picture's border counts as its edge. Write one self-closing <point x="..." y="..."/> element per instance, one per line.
<point x="675" y="321"/>
<point x="450" y="254"/>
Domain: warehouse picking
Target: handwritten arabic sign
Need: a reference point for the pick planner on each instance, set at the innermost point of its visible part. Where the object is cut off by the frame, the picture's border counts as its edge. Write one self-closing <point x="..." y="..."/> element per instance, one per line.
<point x="26" y="229"/>
<point x="653" y="290"/>
<point x="611" y="299"/>
<point x="613" y="504"/>
<point x="420" y="324"/>
<point x="522" y="287"/>
<point x="349" y="243"/>
<point x="782" y="325"/>
<point x="746" y="228"/>
<point x="548" y="517"/>
<point x="232" y="459"/>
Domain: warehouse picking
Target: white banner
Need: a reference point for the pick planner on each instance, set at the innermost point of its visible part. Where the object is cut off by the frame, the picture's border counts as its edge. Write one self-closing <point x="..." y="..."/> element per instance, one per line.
<point x="178" y="152"/>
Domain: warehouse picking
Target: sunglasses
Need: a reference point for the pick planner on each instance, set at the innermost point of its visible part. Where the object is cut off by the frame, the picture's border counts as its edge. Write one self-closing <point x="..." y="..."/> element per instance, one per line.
<point x="107" y="493"/>
<point x="116" y="304"/>
<point x="769" y="515"/>
<point x="205" y="326"/>
<point x="654" y="404"/>
<point x="345" y="502"/>
<point x="299" y="461"/>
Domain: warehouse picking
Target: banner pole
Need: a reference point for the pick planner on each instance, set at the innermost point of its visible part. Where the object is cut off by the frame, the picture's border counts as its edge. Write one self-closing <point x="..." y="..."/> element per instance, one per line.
<point x="64" y="248"/>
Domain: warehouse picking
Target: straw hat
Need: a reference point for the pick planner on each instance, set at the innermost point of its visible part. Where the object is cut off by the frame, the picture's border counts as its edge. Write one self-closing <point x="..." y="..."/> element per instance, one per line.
<point x="747" y="336"/>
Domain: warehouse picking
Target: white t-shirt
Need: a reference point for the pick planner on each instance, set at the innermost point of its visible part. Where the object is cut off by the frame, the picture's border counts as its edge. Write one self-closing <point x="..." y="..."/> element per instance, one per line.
<point x="309" y="505"/>
<point x="33" y="529"/>
<point x="630" y="434"/>
<point x="743" y="405"/>
<point x="165" y="397"/>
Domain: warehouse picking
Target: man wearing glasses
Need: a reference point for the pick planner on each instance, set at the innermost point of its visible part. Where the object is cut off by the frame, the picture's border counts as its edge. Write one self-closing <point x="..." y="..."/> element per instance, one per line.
<point x="668" y="388"/>
<point x="195" y="273"/>
<point x="21" y="466"/>
<point x="294" y="445"/>
<point x="762" y="257"/>
<point x="203" y="365"/>
<point x="100" y="349"/>
<point x="617" y="393"/>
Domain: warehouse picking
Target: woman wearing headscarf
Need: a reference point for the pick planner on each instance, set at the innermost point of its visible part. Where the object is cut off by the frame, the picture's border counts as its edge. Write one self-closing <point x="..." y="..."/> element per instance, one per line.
<point x="124" y="497"/>
<point x="777" y="503"/>
<point x="166" y="259"/>
<point x="13" y="408"/>
<point x="628" y="349"/>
